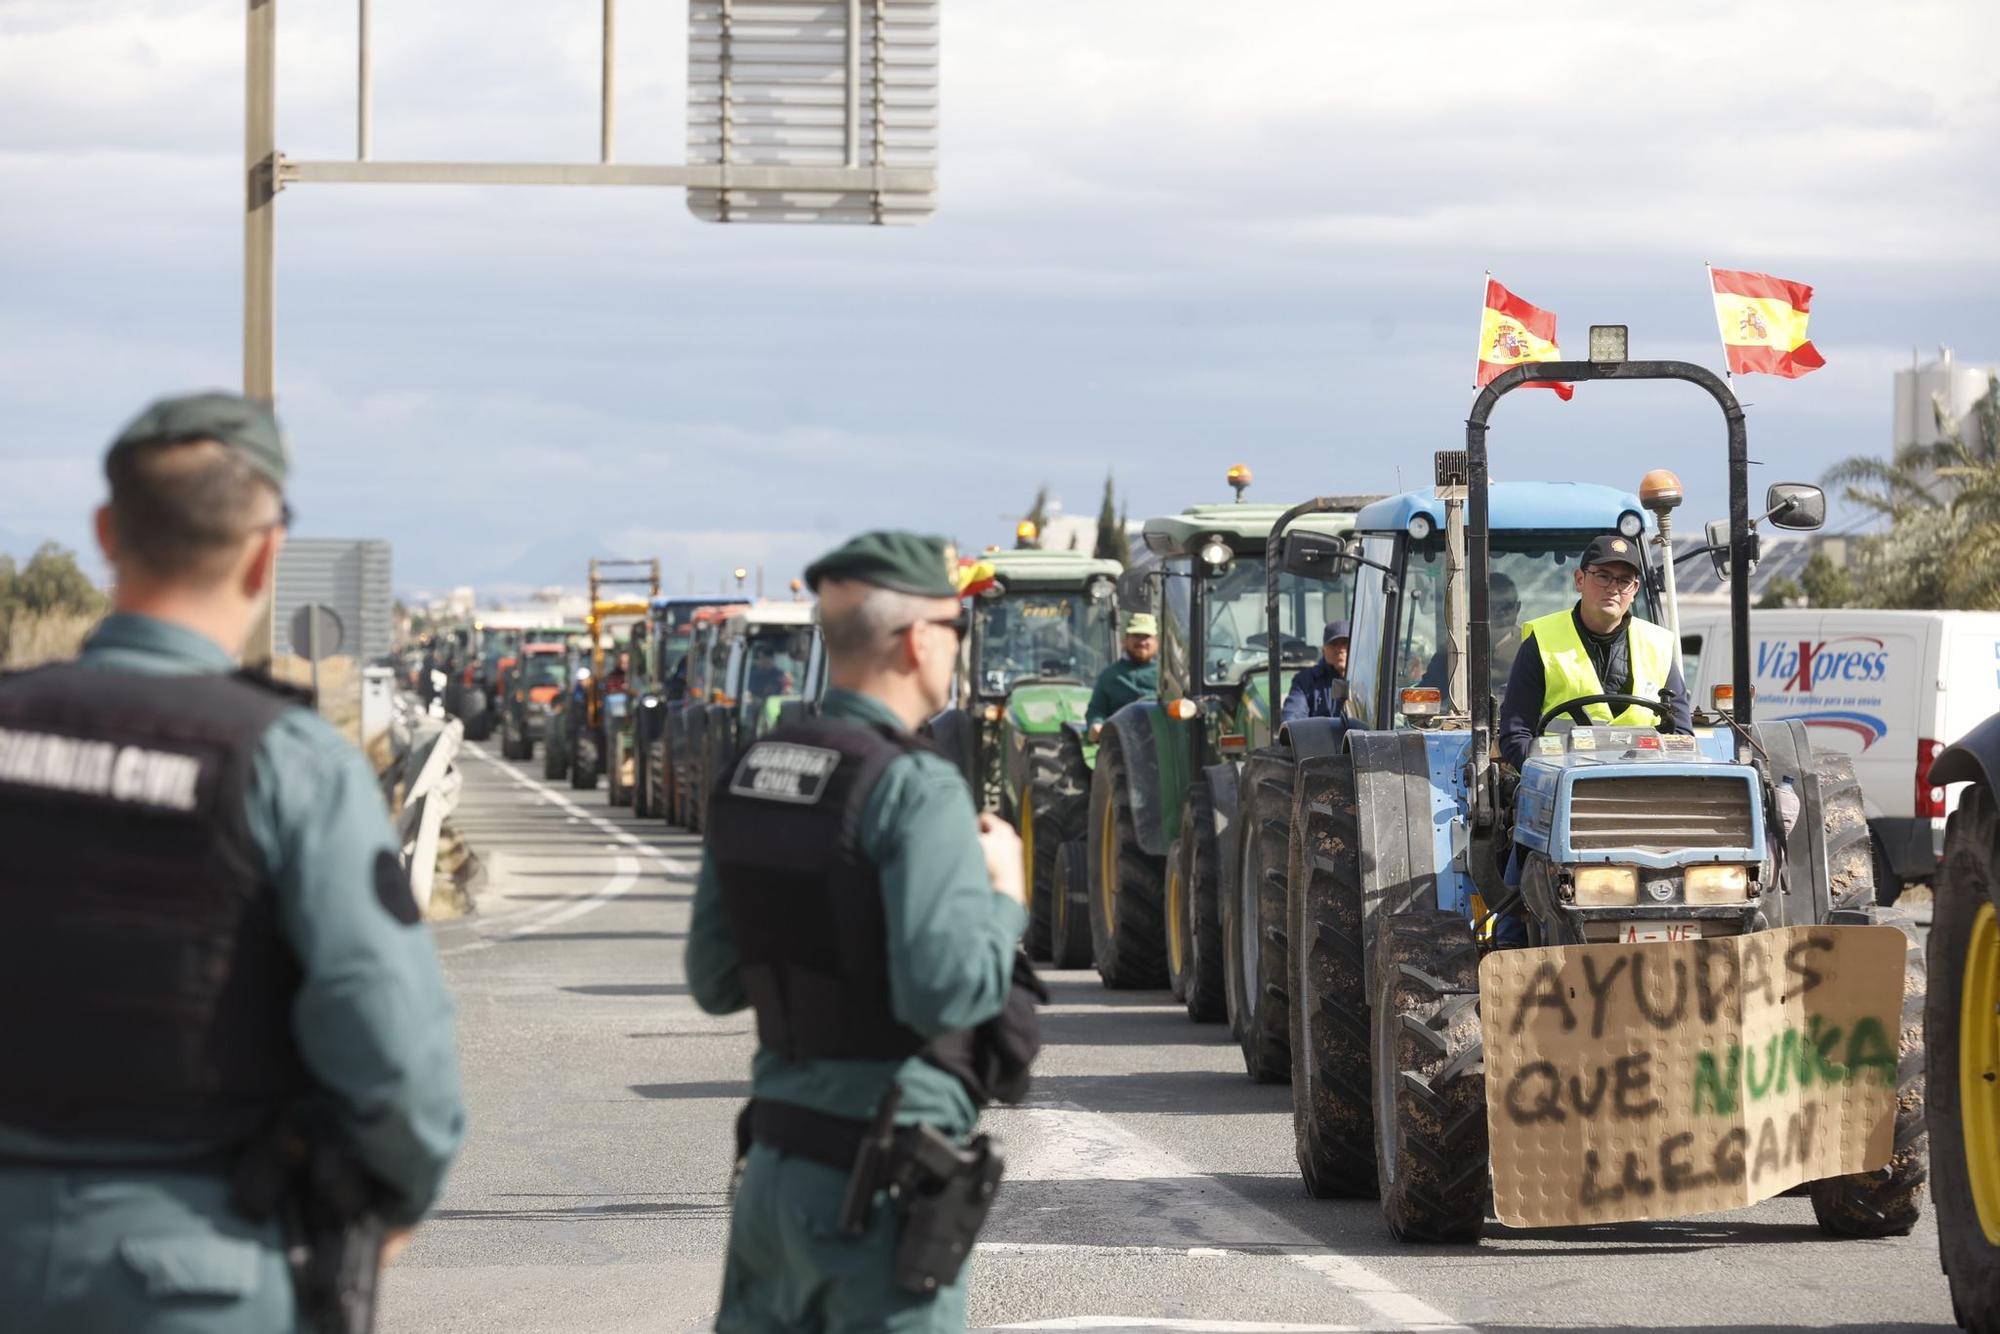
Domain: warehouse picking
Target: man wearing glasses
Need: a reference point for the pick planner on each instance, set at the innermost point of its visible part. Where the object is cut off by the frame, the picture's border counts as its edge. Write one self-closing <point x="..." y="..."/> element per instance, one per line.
<point x="1596" y="647"/>
<point x="209" y="933"/>
<point x="854" y="898"/>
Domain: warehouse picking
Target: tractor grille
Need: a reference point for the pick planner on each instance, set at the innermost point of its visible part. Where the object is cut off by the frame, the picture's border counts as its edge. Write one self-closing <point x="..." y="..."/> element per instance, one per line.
<point x="1659" y="814"/>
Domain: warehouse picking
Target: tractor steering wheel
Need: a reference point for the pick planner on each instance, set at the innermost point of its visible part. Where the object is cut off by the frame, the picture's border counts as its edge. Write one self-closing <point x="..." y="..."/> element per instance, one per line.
<point x="1574" y="708"/>
<point x="1286" y="643"/>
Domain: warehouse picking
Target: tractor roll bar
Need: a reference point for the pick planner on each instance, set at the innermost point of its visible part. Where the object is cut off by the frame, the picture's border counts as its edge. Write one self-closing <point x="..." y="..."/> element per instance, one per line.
<point x="1476" y="528"/>
<point x="1273" y="655"/>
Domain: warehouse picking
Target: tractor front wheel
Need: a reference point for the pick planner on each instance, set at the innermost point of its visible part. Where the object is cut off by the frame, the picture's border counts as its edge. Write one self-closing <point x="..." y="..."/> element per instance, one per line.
<point x="1253" y="918"/>
<point x="1194" y="911"/>
<point x="1069" y="909"/>
<point x="1887" y="1202"/>
<point x="1333" y="1116"/>
<point x="1127" y="897"/>
<point x="1430" y="1080"/>
<point x="1053" y="808"/>
<point x="1964" y="1061"/>
<point x="583" y="765"/>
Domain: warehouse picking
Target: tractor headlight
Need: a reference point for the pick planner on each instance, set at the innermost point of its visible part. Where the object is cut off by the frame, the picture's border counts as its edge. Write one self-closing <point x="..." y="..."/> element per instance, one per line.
<point x="1216" y="552"/>
<point x="1631" y="523"/>
<point x="1420" y="526"/>
<point x="1606" y="886"/>
<point x="1708" y="885"/>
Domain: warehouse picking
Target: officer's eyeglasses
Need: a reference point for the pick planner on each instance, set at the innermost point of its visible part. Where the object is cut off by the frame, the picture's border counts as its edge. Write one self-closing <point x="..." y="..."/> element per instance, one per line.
<point x="959" y="625"/>
<point x="1616" y="583"/>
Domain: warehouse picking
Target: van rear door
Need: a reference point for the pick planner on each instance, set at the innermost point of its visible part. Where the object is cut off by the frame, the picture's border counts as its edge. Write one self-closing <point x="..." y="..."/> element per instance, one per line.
<point x="1856" y="679"/>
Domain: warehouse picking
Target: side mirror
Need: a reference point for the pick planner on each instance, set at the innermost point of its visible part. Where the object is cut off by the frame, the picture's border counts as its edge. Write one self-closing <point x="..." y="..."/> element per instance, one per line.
<point x="1313" y="555"/>
<point x="1716" y="534"/>
<point x="1337" y="691"/>
<point x="1795" y="505"/>
<point x="1132" y="590"/>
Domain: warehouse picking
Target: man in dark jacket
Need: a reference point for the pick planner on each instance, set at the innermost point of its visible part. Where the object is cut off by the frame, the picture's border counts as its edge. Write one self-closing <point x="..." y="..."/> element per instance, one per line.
<point x="1312" y="693"/>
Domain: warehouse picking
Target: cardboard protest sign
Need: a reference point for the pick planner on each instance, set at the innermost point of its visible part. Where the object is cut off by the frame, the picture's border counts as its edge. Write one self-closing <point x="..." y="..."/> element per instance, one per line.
<point x="1662" y="1079"/>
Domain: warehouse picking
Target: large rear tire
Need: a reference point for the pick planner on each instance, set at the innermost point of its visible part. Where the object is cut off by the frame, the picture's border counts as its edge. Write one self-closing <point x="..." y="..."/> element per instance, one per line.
<point x="1963" y="1061"/>
<point x="554" y="766"/>
<point x="1127" y="890"/>
<point x="1333" y="1112"/>
<point x="1430" y="1081"/>
<point x="1194" y="908"/>
<point x="1253" y="918"/>
<point x="1070" y="939"/>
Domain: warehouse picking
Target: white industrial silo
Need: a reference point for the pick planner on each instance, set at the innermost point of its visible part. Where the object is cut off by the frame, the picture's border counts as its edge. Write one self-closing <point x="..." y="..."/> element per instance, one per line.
<point x="1922" y="390"/>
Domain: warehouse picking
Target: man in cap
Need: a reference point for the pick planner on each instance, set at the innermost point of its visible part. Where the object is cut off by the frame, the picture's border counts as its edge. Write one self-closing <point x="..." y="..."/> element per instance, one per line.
<point x="1596" y="647"/>
<point x="851" y="894"/>
<point x="1134" y="676"/>
<point x="208" y="927"/>
<point x="1313" y="692"/>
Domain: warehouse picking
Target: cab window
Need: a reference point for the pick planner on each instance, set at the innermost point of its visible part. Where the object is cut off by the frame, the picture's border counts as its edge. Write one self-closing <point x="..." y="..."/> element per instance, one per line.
<point x="1531" y="575"/>
<point x="1371" y="601"/>
<point x="1047" y="636"/>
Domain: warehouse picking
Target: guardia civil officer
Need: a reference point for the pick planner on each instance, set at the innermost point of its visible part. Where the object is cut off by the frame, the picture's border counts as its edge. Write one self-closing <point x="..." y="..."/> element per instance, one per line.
<point x="206" y="926"/>
<point x="853" y="897"/>
<point x="1596" y="647"/>
<point x="1134" y="676"/>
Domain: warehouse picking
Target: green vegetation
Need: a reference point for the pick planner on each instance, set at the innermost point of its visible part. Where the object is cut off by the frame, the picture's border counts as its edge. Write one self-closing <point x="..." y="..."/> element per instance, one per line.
<point x="46" y="606"/>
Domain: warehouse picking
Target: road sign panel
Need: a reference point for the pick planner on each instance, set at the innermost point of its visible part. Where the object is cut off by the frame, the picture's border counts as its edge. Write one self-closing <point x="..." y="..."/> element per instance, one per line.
<point x="825" y="83"/>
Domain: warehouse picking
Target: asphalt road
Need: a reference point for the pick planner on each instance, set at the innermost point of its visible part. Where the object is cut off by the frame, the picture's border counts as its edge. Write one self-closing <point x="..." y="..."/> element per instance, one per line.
<point x="1150" y="1184"/>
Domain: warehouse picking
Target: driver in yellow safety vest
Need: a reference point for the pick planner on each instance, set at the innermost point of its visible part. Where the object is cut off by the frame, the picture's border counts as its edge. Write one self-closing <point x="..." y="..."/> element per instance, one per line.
<point x="1596" y="647"/>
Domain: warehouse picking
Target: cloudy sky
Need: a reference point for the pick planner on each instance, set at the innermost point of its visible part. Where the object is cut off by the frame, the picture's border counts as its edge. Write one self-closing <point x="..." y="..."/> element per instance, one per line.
<point x="1172" y="236"/>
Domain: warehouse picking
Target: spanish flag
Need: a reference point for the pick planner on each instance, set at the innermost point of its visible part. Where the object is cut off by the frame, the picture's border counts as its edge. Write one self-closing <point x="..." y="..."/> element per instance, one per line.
<point x="975" y="576"/>
<point x="1763" y="323"/>
<point x="1512" y="331"/>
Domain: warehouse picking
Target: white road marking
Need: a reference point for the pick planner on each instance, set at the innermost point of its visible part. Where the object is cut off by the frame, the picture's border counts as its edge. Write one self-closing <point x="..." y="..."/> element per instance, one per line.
<point x="1138" y="1323"/>
<point x="625" y="869"/>
<point x="1065" y="1142"/>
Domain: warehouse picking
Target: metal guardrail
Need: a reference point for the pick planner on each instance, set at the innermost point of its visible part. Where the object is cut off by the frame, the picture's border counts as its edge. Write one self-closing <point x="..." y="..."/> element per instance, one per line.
<point x="425" y="748"/>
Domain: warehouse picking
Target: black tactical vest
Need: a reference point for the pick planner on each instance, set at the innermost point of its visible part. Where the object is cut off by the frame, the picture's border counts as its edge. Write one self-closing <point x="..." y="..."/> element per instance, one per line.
<point x="145" y="985"/>
<point x="804" y="903"/>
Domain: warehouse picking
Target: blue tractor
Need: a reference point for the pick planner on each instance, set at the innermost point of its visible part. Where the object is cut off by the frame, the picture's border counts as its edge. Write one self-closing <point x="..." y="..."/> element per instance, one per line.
<point x="1415" y="853"/>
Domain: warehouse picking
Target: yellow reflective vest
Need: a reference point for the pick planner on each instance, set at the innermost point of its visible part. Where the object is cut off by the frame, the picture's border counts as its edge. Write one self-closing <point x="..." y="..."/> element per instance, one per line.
<point x="1569" y="674"/>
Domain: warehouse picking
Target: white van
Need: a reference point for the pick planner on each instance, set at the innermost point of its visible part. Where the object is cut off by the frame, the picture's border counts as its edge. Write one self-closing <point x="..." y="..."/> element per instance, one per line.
<point x="1891" y="688"/>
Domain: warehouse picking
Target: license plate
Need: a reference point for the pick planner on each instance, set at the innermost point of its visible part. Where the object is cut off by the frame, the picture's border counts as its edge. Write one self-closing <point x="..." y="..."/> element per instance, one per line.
<point x="1633" y="933"/>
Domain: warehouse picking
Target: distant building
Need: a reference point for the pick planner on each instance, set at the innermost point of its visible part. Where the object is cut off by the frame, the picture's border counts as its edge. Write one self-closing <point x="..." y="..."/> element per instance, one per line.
<point x="1946" y="389"/>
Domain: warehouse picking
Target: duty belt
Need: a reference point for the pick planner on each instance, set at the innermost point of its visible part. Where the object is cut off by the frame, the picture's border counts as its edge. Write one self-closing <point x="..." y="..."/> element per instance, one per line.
<point x="804" y="1132"/>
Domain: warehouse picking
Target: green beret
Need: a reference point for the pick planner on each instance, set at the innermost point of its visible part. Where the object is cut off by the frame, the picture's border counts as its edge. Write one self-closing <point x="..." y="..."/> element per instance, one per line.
<point x="903" y="562"/>
<point x="243" y="425"/>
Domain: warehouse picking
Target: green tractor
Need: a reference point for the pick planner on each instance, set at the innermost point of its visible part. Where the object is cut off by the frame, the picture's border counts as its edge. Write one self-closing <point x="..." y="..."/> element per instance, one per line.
<point x="1044" y="624"/>
<point x="1190" y="803"/>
